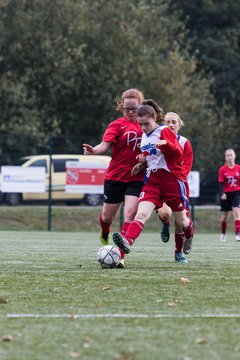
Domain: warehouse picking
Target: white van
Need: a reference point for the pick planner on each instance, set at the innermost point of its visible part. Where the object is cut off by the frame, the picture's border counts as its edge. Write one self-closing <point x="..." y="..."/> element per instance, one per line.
<point x="58" y="179"/>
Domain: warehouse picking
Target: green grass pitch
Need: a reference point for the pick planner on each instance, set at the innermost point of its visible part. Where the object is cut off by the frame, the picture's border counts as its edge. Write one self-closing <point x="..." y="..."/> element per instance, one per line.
<point x="57" y="303"/>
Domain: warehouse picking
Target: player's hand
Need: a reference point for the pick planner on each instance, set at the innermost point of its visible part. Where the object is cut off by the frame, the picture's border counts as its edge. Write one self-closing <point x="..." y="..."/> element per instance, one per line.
<point x="223" y="196"/>
<point x="88" y="149"/>
<point x="137" y="168"/>
<point x="141" y="158"/>
<point x="161" y="142"/>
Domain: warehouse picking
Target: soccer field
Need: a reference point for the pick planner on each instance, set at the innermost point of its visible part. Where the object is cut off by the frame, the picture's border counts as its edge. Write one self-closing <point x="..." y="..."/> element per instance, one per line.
<point x="57" y="303"/>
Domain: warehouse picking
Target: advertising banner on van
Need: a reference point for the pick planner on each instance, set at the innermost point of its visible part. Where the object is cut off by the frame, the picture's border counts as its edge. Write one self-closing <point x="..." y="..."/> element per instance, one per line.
<point x="85" y="177"/>
<point x="194" y="184"/>
<point x="19" y="179"/>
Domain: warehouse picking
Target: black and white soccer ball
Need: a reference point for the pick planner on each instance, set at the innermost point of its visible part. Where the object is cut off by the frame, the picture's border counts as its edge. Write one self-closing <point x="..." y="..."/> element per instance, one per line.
<point x="108" y="256"/>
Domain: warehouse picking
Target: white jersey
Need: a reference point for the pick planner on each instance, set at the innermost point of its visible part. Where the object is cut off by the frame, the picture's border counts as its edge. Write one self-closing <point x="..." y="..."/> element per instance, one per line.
<point x="182" y="140"/>
<point x="156" y="158"/>
<point x="187" y="154"/>
<point x="167" y="157"/>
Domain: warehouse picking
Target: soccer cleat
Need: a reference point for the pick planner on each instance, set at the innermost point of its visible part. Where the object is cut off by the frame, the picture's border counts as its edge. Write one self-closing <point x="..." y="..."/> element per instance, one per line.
<point x="165" y="235"/>
<point x="105" y="240"/>
<point x="187" y="246"/>
<point x="180" y="258"/>
<point x="223" y="237"/>
<point x="121" y="264"/>
<point x="121" y="242"/>
<point x="237" y="237"/>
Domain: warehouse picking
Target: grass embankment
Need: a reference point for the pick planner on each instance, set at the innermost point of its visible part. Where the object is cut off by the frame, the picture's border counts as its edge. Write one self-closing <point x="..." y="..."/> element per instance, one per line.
<point x="26" y="218"/>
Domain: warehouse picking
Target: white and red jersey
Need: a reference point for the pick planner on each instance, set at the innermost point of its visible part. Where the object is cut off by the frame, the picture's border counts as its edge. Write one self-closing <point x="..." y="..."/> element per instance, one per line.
<point x="187" y="154"/>
<point x="125" y="137"/>
<point x="168" y="157"/>
<point x="230" y="177"/>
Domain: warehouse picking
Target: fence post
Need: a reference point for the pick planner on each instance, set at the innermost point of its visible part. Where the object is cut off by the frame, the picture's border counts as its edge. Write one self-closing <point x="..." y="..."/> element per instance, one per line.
<point x="192" y="202"/>
<point x="121" y="217"/>
<point x="50" y="151"/>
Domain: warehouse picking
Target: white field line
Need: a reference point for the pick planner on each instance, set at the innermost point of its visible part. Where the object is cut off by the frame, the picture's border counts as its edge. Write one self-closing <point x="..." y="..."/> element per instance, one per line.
<point x="126" y="316"/>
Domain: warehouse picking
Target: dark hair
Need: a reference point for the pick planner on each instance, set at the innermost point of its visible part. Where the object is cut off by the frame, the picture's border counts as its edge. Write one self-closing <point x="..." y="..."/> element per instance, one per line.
<point x="150" y="108"/>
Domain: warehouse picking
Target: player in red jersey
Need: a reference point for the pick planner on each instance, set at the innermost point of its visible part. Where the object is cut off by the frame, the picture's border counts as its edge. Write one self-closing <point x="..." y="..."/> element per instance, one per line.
<point x="123" y="136"/>
<point x="164" y="180"/>
<point x="229" y="182"/>
<point x="174" y="122"/>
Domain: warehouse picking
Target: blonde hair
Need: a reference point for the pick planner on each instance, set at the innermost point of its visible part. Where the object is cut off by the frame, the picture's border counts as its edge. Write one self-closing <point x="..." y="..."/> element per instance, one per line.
<point x="130" y="94"/>
<point x="181" y="123"/>
<point x="234" y="154"/>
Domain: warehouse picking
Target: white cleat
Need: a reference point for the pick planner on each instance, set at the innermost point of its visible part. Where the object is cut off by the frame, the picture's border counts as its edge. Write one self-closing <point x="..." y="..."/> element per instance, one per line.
<point x="223" y="237"/>
<point x="238" y="237"/>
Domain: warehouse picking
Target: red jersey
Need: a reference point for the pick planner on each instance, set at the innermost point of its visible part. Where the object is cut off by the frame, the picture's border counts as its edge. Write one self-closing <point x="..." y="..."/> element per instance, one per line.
<point x="187" y="154"/>
<point x="230" y="178"/>
<point x="125" y="137"/>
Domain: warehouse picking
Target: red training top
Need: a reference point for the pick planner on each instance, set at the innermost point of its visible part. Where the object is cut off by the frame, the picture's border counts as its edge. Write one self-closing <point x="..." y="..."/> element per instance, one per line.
<point x="230" y="178"/>
<point x="125" y="137"/>
<point x="187" y="154"/>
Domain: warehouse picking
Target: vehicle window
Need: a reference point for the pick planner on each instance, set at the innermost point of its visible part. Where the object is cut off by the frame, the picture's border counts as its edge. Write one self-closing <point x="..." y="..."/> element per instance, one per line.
<point x="20" y="162"/>
<point x="39" y="163"/>
<point x="59" y="164"/>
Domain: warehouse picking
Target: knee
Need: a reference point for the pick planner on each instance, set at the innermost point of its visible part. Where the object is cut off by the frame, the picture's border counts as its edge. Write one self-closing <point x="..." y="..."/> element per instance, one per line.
<point x="236" y="217"/>
<point x="142" y="217"/>
<point x="165" y="212"/>
<point x="107" y="217"/>
<point x="183" y="223"/>
<point x="164" y="217"/>
<point x="236" y="214"/>
<point x="129" y="215"/>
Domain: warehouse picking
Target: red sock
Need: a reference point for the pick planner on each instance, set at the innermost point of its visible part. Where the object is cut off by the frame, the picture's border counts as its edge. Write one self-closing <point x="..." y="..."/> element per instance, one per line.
<point x="237" y="226"/>
<point x="165" y="222"/>
<point x="123" y="232"/>
<point x="188" y="232"/>
<point x="134" y="230"/>
<point x="179" y="240"/>
<point x="224" y="227"/>
<point x="105" y="226"/>
<point x="124" y="229"/>
<point x="122" y="253"/>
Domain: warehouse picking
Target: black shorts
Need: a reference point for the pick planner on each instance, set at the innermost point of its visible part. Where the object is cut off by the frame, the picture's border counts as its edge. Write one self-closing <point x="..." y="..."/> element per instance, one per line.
<point x="233" y="200"/>
<point x="114" y="191"/>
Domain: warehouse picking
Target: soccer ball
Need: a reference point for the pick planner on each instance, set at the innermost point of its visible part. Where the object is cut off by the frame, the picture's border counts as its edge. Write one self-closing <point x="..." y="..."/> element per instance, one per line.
<point x="108" y="256"/>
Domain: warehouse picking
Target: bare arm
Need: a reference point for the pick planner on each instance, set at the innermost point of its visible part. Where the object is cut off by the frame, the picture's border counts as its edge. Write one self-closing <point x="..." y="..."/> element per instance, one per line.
<point x="96" y="150"/>
<point x="138" y="167"/>
<point x="222" y="193"/>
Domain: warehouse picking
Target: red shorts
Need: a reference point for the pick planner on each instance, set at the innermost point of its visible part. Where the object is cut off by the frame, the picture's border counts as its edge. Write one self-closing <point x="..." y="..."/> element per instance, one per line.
<point x="163" y="186"/>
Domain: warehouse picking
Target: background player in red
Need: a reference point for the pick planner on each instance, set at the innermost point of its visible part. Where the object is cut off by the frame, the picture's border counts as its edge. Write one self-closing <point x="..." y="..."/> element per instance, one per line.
<point x="174" y="122"/>
<point x="164" y="180"/>
<point x="229" y="182"/>
<point x="123" y="136"/>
